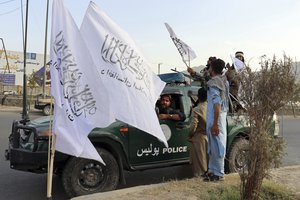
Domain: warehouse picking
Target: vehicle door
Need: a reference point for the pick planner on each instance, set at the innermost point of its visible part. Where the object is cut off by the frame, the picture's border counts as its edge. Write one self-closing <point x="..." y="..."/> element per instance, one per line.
<point x="236" y="119"/>
<point x="145" y="148"/>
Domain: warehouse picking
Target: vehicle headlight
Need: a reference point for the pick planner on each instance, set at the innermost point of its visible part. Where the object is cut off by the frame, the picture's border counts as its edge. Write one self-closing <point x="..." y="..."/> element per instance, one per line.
<point x="43" y="131"/>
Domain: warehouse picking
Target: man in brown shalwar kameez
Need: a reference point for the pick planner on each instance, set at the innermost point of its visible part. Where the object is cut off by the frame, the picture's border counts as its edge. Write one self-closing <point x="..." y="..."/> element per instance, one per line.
<point x="198" y="137"/>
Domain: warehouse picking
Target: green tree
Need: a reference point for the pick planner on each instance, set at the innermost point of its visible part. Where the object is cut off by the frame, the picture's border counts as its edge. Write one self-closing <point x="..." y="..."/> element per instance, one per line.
<point x="32" y="84"/>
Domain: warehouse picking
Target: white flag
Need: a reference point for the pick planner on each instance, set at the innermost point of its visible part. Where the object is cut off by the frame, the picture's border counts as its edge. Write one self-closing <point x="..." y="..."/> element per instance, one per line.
<point x="79" y="93"/>
<point x="132" y="87"/>
<point x="238" y="64"/>
<point x="186" y="52"/>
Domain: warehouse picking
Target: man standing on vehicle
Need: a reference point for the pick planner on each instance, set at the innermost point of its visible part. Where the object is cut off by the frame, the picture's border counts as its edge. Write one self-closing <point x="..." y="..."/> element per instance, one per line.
<point x="234" y="81"/>
<point x="167" y="112"/>
<point x="217" y="107"/>
<point x="233" y="77"/>
<point x="205" y="74"/>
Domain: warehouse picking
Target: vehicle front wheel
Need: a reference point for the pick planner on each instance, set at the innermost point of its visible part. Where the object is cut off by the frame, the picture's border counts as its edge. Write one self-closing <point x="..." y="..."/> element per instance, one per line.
<point x="84" y="176"/>
<point x="47" y="110"/>
<point x="237" y="158"/>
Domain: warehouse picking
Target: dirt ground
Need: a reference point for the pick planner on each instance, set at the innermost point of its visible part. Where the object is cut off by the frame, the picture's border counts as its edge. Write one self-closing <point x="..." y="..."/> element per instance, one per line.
<point x="185" y="189"/>
<point x="289" y="176"/>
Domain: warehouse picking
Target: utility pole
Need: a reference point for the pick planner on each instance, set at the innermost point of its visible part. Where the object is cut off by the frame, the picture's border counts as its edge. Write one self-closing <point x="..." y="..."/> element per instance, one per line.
<point x="7" y="64"/>
<point x="25" y="109"/>
<point x="159" y="67"/>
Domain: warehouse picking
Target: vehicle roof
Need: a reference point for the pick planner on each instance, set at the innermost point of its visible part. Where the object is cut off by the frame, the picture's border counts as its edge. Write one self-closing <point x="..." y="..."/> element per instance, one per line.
<point x="176" y="84"/>
<point x="180" y="89"/>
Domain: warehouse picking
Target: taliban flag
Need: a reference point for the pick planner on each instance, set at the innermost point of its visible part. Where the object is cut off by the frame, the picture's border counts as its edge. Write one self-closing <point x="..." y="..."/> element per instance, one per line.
<point x="238" y="64"/>
<point x="186" y="52"/>
<point x="132" y="87"/>
<point x="80" y="95"/>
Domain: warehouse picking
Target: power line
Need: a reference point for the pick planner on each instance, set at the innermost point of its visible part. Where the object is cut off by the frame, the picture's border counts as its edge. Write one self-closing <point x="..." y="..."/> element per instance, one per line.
<point x="10" y="11"/>
<point x="6" y="2"/>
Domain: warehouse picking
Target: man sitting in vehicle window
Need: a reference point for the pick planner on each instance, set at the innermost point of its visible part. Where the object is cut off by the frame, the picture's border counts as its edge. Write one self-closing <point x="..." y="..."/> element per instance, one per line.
<point x="167" y="112"/>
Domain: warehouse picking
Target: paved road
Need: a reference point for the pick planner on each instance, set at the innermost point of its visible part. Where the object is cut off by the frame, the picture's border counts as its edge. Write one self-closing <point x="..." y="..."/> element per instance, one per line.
<point x="290" y="130"/>
<point x="16" y="185"/>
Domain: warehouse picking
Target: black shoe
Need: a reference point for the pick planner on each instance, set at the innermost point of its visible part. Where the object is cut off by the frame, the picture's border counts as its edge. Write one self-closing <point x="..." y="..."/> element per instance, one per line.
<point x="203" y="175"/>
<point x="206" y="174"/>
<point x="213" y="178"/>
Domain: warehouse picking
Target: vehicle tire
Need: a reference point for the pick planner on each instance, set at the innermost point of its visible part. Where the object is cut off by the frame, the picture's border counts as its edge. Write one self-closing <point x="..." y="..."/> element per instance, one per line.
<point x="84" y="176"/>
<point x="47" y="110"/>
<point x="237" y="158"/>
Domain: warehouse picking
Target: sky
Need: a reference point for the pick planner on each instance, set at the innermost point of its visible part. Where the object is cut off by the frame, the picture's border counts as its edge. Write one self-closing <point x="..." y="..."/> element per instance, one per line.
<point x="211" y="28"/>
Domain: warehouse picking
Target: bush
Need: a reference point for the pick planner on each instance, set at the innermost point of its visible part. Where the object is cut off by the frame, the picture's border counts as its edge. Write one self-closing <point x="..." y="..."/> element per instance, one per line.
<point x="264" y="92"/>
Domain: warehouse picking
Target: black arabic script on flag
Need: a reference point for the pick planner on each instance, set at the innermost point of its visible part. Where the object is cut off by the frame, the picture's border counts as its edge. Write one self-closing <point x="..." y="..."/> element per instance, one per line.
<point x="78" y="95"/>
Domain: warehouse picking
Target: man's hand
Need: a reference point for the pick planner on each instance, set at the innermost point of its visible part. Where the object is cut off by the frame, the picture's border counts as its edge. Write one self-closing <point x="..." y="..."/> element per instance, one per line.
<point x="174" y="117"/>
<point x="163" y="116"/>
<point x="215" y="127"/>
<point x="215" y="130"/>
<point x="190" y="70"/>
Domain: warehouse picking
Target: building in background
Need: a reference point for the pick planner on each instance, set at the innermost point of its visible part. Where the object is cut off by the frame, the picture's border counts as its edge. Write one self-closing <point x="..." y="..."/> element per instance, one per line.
<point x="12" y="74"/>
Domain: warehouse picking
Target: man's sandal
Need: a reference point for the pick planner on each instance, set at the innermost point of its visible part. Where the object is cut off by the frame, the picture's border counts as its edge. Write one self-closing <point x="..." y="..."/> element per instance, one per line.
<point x="213" y="178"/>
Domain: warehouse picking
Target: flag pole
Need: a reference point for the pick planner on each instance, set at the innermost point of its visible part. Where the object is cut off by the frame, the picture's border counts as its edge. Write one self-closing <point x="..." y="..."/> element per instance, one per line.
<point x="185" y="63"/>
<point x="189" y="58"/>
<point x="50" y="166"/>
<point x="189" y="63"/>
<point x="51" y="137"/>
<point x="51" y="154"/>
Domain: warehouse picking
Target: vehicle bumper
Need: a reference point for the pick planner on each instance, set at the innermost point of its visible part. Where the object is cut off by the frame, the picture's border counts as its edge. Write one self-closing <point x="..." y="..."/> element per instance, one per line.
<point x="24" y="160"/>
<point x="30" y="155"/>
<point x="39" y="106"/>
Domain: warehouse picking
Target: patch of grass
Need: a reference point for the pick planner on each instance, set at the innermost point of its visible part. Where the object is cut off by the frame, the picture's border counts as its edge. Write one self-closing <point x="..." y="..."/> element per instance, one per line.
<point x="229" y="189"/>
<point x="225" y="192"/>
<point x="271" y="190"/>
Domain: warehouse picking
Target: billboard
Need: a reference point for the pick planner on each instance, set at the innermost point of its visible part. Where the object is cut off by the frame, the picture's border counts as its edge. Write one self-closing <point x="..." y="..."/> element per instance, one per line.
<point x="8" y="79"/>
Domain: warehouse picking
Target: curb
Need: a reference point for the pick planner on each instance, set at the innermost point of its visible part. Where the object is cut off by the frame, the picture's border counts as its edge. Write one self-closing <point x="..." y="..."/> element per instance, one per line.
<point x="15" y="109"/>
<point x="9" y="108"/>
<point x="117" y="193"/>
